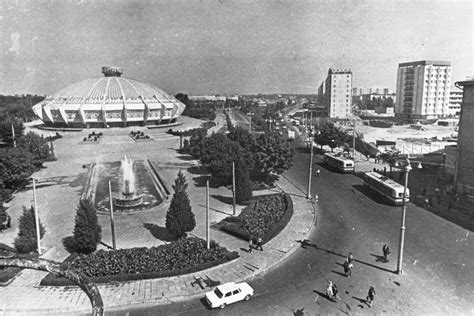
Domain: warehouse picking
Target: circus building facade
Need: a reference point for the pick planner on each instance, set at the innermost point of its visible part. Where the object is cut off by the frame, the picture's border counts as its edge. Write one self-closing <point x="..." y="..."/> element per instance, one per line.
<point x="110" y="101"/>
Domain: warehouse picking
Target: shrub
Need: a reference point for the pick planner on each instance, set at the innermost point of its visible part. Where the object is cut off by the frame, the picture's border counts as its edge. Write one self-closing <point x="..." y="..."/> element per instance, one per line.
<point x="179" y="257"/>
<point x="179" y="218"/>
<point x="243" y="189"/>
<point x="25" y="242"/>
<point x="265" y="217"/>
<point x="87" y="231"/>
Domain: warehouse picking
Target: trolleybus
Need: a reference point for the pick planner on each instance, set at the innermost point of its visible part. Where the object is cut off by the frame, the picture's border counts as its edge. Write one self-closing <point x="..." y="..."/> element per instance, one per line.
<point x="340" y="163"/>
<point x="389" y="189"/>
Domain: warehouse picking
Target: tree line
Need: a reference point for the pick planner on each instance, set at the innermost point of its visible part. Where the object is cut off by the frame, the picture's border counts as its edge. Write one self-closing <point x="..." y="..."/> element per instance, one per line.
<point x="259" y="158"/>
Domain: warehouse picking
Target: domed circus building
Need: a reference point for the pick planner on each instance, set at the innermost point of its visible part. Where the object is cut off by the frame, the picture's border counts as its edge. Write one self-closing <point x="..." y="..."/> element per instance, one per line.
<point x="110" y="101"/>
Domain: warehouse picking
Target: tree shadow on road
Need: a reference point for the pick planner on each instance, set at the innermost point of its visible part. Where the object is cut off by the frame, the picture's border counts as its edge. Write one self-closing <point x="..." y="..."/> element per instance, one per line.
<point x="361" y="301"/>
<point x="223" y="199"/>
<point x="306" y="244"/>
<point x="337" y="272"/>
<point x="379" y="258"/>
<point x="377" y="198"/>
<point x="159" y="232"/>
<point x="324" y="295"/>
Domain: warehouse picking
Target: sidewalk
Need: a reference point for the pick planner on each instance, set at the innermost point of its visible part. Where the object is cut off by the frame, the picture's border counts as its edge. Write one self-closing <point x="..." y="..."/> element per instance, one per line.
<point x="25" y="296"/>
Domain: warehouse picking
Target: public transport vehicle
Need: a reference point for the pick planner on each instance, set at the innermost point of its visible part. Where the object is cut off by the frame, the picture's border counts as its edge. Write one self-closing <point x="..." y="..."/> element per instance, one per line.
<point x="389" y="189"/>
<point x="338" y="162"/>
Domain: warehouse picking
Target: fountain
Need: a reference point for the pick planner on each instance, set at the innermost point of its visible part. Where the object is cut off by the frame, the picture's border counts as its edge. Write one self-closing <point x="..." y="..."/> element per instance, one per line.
<point x="128" y="197"/>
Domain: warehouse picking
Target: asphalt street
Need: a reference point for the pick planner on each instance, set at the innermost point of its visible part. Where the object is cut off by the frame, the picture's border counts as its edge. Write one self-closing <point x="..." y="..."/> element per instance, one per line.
<point x="438" y="266"/>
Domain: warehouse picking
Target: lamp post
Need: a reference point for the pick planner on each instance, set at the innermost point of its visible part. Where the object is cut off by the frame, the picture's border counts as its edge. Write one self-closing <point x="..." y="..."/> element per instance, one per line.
<point x="353" y="141"/>
<point x="406" y="167"/>
<point x="250" y="122"/>
<point x="308" y="195"/>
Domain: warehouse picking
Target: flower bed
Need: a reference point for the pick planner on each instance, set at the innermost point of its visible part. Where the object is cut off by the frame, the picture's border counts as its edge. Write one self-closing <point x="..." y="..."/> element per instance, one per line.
<point x="177" y="258"/>
<point x="264" y="217"/>
<point x="7" y="273"/>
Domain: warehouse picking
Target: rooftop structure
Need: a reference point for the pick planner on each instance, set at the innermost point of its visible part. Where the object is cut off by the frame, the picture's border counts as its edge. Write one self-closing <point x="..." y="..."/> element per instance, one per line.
<point x="423" y="89"/>
<point x="335" y="93"/>
<point x="110" y="101"/>
<point x="464" y="173"/>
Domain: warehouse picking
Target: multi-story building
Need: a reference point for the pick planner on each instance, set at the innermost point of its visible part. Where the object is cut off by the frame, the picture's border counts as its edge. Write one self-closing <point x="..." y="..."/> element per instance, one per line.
<point x="335" y="93"/>
<point x="464" y="170"/>
<point x="455" y="100"/>
<point x="423" y="89"/>
<point x="372" y="90"/>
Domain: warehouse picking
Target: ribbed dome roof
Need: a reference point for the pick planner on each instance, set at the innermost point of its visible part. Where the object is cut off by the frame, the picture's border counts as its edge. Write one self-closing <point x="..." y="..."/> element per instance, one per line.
<point x="110" y="87"/>
<point x="109" y="100"/>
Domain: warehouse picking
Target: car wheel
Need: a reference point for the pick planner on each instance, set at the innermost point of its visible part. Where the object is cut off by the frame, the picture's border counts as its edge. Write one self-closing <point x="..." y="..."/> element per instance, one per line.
<point x="247" y="298"/>
<point x="222" y="306"/>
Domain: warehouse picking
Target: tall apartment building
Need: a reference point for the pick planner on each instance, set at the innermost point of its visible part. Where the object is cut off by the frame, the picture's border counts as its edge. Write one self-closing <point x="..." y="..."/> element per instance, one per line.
<point x="423" y="89"/>
<point x="455" y="100"/>
<point x="464" y="170"/>
<point x="335" y="93"/>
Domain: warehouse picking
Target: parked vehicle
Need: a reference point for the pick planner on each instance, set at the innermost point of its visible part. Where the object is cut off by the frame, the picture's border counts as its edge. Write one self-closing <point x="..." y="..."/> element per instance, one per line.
<point x="229" y="293"/>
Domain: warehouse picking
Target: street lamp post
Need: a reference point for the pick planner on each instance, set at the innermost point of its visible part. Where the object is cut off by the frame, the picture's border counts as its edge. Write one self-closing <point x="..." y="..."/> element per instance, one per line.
<point x="250" y="122"/>
<point x="406" y="168"/>
<point x="308" y="195"/>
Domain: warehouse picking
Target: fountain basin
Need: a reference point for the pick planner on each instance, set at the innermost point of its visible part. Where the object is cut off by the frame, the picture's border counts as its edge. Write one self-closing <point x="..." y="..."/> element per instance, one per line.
<point x="128" y="202"/>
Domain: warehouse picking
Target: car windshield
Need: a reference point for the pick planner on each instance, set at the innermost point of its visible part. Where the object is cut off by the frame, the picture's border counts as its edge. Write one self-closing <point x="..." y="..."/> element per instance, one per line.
<point x="218" y="293"/>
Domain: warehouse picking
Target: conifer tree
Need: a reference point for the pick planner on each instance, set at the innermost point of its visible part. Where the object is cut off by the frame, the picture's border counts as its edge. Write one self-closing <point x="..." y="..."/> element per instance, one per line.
<point x="87" y="231"/>
<point x="179" y="218"/>
<point x="243" y="190"/>
<point x="25" y="242"/>
<point x="3" y="215"/>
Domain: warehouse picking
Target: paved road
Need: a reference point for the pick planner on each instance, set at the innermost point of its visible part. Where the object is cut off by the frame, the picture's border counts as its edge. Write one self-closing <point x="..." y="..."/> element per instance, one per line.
<point x="438" y="269"/>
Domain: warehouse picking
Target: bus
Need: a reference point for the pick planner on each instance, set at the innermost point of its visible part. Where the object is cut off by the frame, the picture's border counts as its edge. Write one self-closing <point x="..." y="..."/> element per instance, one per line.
<point x="340" y="163"/>
<point x="389" y="189"/>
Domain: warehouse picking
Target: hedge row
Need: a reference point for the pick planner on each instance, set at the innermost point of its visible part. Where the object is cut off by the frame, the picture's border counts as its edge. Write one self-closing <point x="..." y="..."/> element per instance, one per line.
<point x="181" y="257"/>
<point x="233" y="225"/>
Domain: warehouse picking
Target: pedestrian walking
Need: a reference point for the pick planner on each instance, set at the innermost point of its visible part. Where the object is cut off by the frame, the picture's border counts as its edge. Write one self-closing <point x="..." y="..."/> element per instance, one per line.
<point x="350" y="258"/>
<point x="437" y="191"/>
<point x="348" y="269"/>
<point x="430" y="202"/>
<point x="371" y="296"/>
<point x="386" y="252"/>
<point x="259" y="244"/>
<point x="423" y="191"/>
<point x="334" y="291"/>
<point x="427" y="202"/>
<point x="250" y="244"/>
<point x="329" y="292"/>
<point x="318" y="172"/>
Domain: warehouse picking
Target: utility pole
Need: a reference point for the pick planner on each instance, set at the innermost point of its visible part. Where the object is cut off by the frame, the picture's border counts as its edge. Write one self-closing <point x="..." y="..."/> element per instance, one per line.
<point x="112" y="224"/>
<point x="233" y="188"/>
<point x="38" y="233"/>
<point x="353" y="141"/>
<point x="402" y="227"/>
<point x="208" y="240"/>
<point x="14" y="139"/>
<point x="308" y="196"/>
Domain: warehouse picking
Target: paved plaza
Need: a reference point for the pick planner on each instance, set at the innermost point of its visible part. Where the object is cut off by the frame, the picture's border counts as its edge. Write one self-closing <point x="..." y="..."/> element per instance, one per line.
<point x="57" y="208"/>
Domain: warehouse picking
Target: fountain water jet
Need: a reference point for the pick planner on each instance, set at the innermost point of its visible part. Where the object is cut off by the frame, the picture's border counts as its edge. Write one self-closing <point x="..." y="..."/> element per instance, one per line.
<point x="128" y="197"/>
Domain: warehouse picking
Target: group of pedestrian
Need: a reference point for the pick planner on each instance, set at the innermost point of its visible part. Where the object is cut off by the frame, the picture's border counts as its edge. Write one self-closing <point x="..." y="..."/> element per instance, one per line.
<point x="258" y="246"/>
<point x="331" y="290"/>
<point x="381" y="171"/>
<point x="348" y="265"/>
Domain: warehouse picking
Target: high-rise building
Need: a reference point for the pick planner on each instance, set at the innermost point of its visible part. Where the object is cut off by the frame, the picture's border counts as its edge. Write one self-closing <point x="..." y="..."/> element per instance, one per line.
<point x="335" y="93"/>
<point x="464" y="171"/>
<point x="455" y="100"/>
<point x="423" y="89"/>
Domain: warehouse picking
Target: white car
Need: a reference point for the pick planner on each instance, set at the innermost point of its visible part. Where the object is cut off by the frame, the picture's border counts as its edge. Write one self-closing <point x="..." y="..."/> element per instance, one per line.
<point x="229" y="293"/>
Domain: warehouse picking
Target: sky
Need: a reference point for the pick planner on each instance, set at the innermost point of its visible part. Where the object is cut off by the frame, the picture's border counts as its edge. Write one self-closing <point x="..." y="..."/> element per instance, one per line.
<point x="227" y="46"/>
